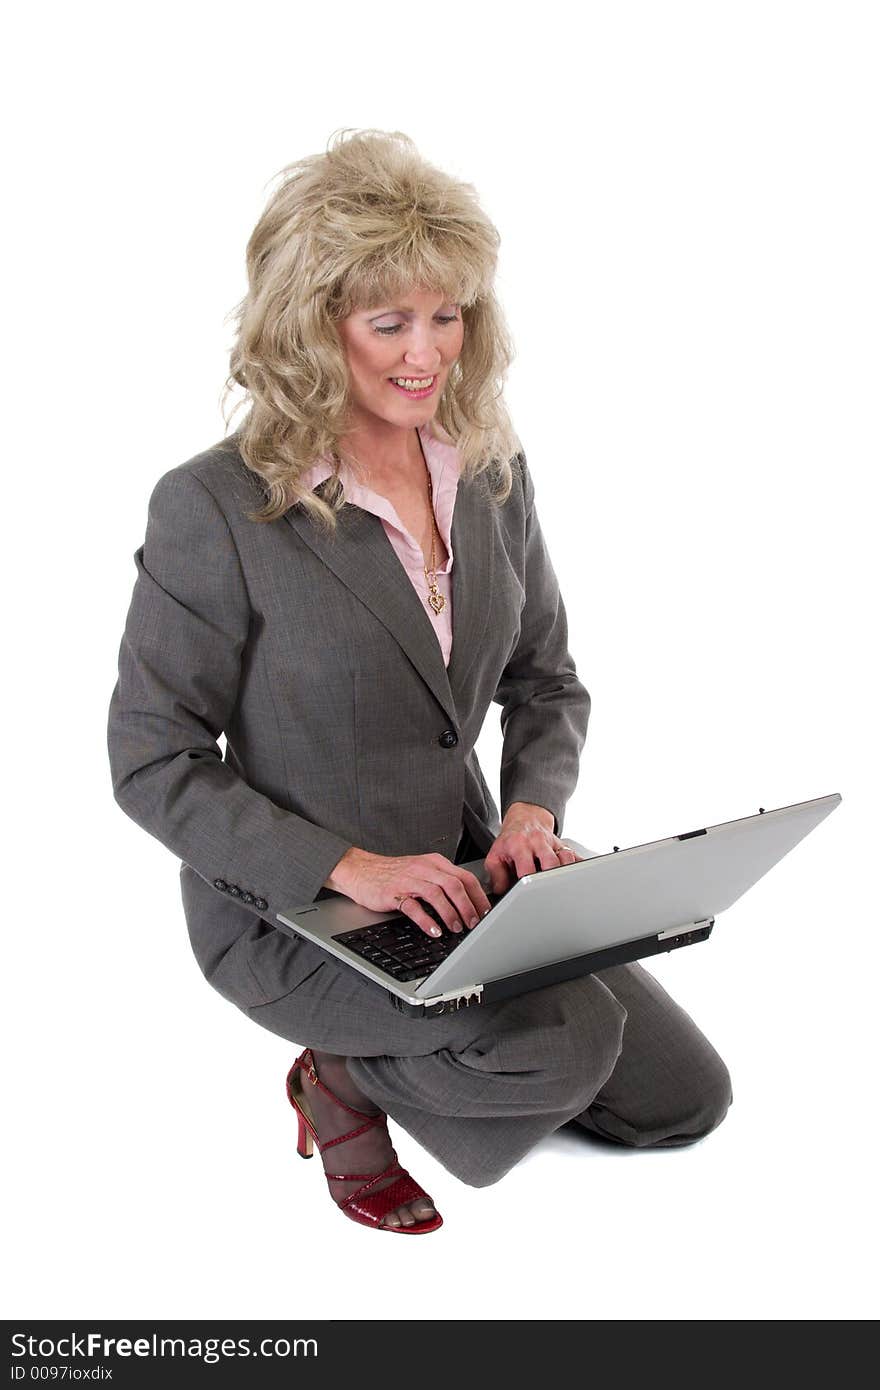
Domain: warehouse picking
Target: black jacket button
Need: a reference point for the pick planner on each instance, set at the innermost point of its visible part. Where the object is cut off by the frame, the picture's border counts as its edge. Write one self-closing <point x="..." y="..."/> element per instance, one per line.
<point x="448" y="738"/>
<point x="234" y="891"/>
<point x="260" y="904"/>
<point x="221" y="884"/>
<point x="247" y="897"/>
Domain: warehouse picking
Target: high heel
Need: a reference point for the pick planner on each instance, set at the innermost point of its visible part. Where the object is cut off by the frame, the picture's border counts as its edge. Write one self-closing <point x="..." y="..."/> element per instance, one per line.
<point x="364" y="1206"/>
<point x="304" y="1141"/>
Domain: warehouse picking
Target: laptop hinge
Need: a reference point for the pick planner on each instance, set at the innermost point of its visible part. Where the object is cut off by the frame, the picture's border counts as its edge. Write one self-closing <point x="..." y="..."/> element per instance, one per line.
<point x="682" y="931"/>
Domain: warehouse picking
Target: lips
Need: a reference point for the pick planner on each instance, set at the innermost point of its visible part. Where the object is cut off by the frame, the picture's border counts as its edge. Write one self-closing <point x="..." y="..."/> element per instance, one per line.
<point x="416" y="395"/>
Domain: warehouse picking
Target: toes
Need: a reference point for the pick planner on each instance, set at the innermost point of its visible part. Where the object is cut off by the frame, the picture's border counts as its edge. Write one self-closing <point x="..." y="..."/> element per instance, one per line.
<point x="416" y="1212"/>
<point x="411" y="1215"/>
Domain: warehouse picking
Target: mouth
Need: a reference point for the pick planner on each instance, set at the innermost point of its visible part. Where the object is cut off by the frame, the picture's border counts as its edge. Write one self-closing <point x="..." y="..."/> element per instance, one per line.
<point x="415" y="393"/>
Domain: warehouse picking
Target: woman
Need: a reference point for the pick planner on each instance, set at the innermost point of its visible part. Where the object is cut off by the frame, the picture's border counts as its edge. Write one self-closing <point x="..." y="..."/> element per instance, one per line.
<point x="294" y="590"/>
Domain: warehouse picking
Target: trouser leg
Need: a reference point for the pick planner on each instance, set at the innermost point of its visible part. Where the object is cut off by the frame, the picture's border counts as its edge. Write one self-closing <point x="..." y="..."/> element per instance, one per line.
<point x="669" y="1086"/>
<point x="536" y="1062"/>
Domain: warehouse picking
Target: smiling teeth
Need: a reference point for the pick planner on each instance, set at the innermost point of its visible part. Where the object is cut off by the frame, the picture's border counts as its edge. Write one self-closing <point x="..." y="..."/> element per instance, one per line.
<point x="411" y="384"/>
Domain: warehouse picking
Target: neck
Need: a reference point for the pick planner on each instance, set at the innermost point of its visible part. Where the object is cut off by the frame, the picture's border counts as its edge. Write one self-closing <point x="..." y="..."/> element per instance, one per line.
<point x="384" y="450"/>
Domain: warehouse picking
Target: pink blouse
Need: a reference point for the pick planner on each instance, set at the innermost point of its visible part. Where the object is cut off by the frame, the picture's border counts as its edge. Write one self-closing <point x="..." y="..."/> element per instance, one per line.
<point x="444" y="466"/>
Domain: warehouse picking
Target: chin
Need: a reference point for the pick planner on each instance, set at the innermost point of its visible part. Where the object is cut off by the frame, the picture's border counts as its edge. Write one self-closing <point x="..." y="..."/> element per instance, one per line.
<point x="409" y="416"/>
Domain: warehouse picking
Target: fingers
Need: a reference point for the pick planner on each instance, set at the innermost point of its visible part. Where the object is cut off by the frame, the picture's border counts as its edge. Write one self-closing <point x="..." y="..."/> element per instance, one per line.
<point x="502" y="876"/>
<point x="417" y="913"/>
<point x="449" y="903"/>
<point x="469" y="896"/>
<point x="521" y="854"/>
<point x="431" y="910"/>
<point x="466" y="892"/>
<point x="455" y="898"/>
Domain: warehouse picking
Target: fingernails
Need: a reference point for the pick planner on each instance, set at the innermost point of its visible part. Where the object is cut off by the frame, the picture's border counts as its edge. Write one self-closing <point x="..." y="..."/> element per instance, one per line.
<point x="434" y="931"/>
<point x="473" y="921"/>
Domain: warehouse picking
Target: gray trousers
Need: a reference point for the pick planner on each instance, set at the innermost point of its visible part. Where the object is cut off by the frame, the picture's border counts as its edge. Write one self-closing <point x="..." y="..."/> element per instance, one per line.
<point x="611" y="1052"/>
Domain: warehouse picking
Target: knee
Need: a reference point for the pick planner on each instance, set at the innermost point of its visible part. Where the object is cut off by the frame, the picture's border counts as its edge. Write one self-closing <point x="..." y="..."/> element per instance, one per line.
<point x="708" y="1106"/>
<point x="716" y="1100"/>
<point x="482" y="1177"/>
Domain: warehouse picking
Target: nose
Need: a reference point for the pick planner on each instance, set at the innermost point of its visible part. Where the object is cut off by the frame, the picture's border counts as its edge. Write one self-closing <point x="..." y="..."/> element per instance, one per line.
<point x="423" y="353"/>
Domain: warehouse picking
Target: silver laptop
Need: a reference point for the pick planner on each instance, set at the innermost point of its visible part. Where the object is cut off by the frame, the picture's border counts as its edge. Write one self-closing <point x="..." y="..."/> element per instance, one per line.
<point x="556" y="924"/>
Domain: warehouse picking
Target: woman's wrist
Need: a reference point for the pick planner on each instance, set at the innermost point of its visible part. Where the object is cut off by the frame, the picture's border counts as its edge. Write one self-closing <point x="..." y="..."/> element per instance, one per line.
<point x="526" y="810"/>
<point x="343" y="873"/>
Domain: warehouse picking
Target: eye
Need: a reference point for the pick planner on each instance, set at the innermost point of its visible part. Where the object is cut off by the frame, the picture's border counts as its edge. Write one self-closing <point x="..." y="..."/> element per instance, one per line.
<point x="394" y="328"/>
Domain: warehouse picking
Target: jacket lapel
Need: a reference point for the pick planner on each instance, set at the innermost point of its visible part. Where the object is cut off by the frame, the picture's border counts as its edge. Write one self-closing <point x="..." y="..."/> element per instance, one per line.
<point x="363" y="558"/>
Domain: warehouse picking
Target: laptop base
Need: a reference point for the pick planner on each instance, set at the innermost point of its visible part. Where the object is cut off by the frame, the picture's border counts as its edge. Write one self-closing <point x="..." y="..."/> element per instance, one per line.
<point x="554" y="974"/>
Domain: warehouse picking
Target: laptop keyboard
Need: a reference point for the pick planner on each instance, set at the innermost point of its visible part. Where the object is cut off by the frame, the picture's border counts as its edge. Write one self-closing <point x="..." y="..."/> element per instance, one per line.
<point x="402" y="949"/>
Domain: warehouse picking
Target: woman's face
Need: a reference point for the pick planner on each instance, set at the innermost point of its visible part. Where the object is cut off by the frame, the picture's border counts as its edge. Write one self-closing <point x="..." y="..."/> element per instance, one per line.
<point x="417" y="336"/>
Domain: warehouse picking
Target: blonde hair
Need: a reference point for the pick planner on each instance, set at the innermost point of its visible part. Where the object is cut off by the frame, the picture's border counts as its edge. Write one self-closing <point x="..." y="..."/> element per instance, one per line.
<point x="346" y="230"/>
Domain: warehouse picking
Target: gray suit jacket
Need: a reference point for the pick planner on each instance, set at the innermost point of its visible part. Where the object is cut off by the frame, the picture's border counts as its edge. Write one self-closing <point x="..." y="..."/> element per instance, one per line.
<point x="319" y="662"/>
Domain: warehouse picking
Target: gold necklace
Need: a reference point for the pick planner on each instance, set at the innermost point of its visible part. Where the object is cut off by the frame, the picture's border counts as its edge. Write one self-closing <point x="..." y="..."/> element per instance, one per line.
<point x="435" y="598"/>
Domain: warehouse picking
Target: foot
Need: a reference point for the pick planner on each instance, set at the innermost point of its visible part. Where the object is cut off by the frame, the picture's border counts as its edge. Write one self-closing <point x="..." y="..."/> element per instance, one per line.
<point x="369" y="1152"/>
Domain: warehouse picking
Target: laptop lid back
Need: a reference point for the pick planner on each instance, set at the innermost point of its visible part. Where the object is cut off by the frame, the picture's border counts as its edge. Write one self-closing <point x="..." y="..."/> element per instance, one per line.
<point x="612" y="898"/>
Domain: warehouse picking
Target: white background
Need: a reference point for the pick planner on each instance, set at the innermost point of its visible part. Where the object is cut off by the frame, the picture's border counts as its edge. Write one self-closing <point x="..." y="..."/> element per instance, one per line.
<point x="687" y="196"/>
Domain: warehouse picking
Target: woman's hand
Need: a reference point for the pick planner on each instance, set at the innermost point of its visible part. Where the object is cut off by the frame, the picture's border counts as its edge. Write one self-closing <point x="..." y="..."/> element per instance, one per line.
<point x="525" y="843"/>
<point x="397" y="883"/>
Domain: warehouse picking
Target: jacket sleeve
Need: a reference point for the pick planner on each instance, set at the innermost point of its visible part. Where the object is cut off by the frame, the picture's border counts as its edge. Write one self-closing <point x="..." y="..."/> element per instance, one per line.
<point x="545" y="708"/>
<point x="179" y="669"/>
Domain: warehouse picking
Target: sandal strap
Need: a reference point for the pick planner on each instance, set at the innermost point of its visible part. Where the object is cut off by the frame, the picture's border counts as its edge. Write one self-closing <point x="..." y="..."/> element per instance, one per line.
<point x="372" y="1178"/>
<point x="373" y="1207"/>
<point x="307" y="1063"/>
<point x="341" y="1138"/>
<point x="368" y="1179"/>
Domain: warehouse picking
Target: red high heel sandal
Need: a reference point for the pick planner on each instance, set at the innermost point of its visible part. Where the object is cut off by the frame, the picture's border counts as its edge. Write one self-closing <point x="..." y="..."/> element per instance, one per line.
<point x="366" y="1207"/>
